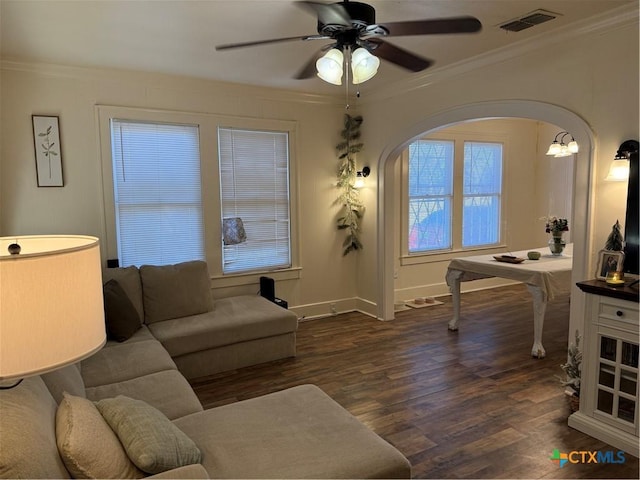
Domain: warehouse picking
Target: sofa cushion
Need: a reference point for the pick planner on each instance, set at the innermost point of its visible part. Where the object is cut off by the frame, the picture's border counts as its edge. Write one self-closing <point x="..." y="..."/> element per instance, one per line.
<point x="188" y="471"/>
<point x="86" y="443"/>
<point x="152" y="442"/>
<point x="141" y="335"/>
<point x="129" y="280"/>
<point x="124" y="361"/>
<point x="295" y="433"/>
<point x="27" y="432"/>
<point x="233" y="320"/>
<point x="121" y="317"/>
<point x="173" y="291"/>
<point x="168" y="391"/>
<point x="67" y="379"/>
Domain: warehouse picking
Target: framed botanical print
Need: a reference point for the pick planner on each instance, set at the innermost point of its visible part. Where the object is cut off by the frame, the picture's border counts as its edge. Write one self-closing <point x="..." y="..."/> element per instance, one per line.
<point x="46" y="141"/>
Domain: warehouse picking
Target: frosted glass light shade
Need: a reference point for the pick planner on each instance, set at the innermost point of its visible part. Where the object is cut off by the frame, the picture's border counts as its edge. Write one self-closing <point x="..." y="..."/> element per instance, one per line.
<point x="51" y="304"/>
<point x="564" y="151"/>
<point x="573" y="146"/>
<point x="619" y="170"/>
<point x="363" y="65"/>
<point x="554" y="149"/>
<point x="329" y="66"/>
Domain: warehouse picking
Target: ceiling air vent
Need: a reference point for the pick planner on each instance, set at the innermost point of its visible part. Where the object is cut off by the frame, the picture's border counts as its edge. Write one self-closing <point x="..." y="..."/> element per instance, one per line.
<point x="529" y="20"/>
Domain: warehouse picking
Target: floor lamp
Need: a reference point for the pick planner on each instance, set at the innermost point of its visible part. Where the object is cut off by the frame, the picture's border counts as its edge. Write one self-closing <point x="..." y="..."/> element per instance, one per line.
<point x="51" y="306"/>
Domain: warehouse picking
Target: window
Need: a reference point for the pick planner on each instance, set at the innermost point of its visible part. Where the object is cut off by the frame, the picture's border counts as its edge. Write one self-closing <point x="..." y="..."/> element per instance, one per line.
<point x="430" y="195"/>
<point x="156" y="184"/>
<point x="254" y="187"/>
<point x="454" y="195"/>
<point x="482" y="191"/>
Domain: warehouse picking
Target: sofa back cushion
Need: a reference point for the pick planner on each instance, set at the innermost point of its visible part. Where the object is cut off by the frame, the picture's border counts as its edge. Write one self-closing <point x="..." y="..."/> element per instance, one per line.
<point x="120" y="316"/>
<point x="67" y="379"/>
<point x="174" y="291"/>
<point x="129" y="279"/>
<point x="27" y="432"/>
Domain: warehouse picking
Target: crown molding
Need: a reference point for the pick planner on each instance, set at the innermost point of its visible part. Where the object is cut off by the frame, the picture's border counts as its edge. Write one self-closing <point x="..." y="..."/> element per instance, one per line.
<point x="163" y="80"/>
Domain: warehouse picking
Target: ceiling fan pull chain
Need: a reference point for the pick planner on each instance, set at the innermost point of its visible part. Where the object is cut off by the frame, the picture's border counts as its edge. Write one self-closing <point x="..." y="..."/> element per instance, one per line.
<point x="347" y="57"/>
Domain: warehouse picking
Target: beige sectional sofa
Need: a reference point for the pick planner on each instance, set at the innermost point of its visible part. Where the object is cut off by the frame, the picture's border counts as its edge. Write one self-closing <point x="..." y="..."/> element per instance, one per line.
<point x="56" y="425"/>
<point x="204" y="336"/>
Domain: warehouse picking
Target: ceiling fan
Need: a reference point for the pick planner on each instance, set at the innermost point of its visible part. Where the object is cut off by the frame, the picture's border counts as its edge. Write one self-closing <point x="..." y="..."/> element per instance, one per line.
<point x="353" y="28"/>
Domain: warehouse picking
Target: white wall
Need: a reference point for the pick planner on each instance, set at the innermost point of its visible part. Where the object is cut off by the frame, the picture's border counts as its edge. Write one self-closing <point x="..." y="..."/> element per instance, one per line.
<point x="72" y="93"/>
<point x="592" y="73"/>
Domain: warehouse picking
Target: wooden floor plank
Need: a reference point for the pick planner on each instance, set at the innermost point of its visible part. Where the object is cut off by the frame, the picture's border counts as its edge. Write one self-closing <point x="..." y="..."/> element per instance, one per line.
<point x="466" y="404"/>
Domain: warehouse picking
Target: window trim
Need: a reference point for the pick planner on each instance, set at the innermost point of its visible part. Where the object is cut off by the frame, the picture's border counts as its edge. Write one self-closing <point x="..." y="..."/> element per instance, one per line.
<point x="445" y="255"/>
<point x="210" y="181"/>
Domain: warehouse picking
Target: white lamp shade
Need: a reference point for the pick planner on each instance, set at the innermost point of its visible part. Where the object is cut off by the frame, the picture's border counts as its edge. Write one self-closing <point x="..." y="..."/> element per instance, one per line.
<point x="329" y="66"/>
<point x="573" y="146"/>
<point x="564" y="151"/>
<point x="618" y="171"/>
<point x="51" y="304"/>
<point x="554" y="149"/>
<point x="363" y="65"/>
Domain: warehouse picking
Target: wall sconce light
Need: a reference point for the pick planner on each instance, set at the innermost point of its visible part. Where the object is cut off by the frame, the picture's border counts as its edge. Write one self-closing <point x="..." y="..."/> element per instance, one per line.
<point x="560" y="149"/>
<point x="360" y="176"/>
<point x="619" y="169"/>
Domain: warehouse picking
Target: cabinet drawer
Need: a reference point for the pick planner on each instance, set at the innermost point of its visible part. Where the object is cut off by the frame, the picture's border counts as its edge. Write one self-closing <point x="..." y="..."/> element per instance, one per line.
<point x="619" y="311"/>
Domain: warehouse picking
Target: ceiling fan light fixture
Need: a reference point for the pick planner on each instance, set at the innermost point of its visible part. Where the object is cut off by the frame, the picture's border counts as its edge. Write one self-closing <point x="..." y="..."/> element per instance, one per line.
<point x="364" y="65"/>
<point x="329" y="66"/>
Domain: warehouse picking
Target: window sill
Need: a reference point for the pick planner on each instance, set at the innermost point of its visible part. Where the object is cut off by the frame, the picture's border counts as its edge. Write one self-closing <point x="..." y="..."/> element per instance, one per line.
<point x="253" y="278"/>
<point x="417" y="259"/>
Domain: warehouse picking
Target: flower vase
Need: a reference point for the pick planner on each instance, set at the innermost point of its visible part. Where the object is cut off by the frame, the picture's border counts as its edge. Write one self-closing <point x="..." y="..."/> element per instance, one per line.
<point x="557" y="244"/>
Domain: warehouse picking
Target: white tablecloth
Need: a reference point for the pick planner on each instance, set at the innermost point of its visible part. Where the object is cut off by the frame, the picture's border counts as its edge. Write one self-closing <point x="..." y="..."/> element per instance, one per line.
<point x="550" y="273"/>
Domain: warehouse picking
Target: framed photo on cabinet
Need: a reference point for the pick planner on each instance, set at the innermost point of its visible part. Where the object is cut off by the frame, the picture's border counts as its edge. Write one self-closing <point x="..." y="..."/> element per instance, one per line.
<point x="609" y="261"/>
<point x="46" y="141"/>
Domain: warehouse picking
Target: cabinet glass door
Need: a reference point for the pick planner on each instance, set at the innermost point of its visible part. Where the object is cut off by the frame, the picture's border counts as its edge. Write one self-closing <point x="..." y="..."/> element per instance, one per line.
<point x="617" y="391"/>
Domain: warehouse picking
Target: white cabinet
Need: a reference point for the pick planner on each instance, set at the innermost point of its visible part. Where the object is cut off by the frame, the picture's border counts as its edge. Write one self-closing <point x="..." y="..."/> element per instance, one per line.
<point x="609" y="385"/>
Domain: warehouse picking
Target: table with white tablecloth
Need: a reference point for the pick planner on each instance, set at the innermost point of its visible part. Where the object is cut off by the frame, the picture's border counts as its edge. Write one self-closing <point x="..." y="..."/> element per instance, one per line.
<point x="544" y="279"/>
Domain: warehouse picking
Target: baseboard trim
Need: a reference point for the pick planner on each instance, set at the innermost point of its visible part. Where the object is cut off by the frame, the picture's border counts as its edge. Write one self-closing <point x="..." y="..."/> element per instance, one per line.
<point x="608" y="434"/>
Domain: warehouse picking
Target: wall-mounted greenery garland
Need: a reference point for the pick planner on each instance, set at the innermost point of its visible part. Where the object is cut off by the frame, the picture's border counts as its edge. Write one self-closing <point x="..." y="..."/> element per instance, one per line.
<point x="352" y="208"/>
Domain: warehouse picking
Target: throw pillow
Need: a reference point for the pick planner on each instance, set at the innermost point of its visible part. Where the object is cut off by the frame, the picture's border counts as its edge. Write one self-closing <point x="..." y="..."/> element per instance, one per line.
<point x="86" y="443"/>
<point x="152" y="442"/>
<point x="120" y="316"/>
<point x="174" y="291"/>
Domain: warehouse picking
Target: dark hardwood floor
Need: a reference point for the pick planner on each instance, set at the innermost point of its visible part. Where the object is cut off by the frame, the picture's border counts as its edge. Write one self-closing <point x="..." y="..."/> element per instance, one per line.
<point x="466" y="404"/>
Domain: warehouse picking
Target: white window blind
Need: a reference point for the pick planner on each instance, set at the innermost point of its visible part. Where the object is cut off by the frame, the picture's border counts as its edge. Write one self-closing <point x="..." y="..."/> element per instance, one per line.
<point x="156" y="181"/>
<point x="254" y="186"/>
<point x="482" y="192"/>
<point x="430" y="195"/>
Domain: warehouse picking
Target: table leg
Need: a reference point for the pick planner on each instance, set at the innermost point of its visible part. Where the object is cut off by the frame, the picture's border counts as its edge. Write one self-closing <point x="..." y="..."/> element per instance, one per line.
<point x="539" y="309"/>
<point x="453" y="280"/>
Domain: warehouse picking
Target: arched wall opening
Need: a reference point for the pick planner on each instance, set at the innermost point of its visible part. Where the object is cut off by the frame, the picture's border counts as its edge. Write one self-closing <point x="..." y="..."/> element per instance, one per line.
<point x="502" y="109"/>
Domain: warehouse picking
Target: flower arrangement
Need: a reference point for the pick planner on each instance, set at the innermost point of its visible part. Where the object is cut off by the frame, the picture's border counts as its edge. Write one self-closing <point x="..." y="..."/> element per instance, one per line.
<point x="555" y="226"/>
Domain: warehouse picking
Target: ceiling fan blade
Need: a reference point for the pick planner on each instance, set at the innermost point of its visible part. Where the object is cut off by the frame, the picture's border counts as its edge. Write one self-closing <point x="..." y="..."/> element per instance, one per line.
<point x="435" y="26"/>
<point x="230" y="46"/>
<point x="309" y="68"/>
<point x="328" y="13"/>
<point x="399" y="56"/>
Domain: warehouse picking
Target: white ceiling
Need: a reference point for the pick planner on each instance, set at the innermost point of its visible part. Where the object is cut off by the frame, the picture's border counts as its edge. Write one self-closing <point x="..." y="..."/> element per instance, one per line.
<point x="179" y="36"/>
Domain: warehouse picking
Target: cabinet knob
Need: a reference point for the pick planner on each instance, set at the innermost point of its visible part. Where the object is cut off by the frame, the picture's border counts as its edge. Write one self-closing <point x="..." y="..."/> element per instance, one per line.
<point x="619" y="313"/>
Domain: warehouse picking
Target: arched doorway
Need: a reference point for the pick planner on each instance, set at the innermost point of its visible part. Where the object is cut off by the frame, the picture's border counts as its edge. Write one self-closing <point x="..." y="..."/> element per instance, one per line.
<point x="501" y="109"/>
